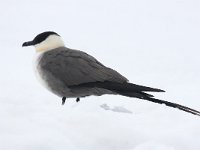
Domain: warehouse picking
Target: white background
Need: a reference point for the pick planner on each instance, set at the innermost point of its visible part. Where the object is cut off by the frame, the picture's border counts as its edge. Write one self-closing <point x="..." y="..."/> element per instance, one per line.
<point x="153" y="43"/>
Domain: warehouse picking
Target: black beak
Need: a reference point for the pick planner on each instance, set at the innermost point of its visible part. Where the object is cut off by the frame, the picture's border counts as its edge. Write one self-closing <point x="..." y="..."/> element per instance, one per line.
<point x="29" y="43"/>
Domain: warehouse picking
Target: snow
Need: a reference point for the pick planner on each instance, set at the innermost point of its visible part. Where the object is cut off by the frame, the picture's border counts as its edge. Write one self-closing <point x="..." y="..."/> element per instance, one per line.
<point x="153" y="43"/>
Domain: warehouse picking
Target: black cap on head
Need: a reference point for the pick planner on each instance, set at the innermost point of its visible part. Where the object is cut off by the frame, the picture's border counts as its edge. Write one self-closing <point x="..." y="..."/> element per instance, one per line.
<point x="39" y="38"/>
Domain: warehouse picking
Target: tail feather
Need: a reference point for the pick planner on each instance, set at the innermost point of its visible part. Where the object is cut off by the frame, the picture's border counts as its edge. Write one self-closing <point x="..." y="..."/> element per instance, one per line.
<point x="138" y="91"/>
<point x="170" y="104"/>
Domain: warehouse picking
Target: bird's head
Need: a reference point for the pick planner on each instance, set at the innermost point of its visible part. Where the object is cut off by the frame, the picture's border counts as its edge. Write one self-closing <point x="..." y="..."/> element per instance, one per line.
<point x="45" y="41"/>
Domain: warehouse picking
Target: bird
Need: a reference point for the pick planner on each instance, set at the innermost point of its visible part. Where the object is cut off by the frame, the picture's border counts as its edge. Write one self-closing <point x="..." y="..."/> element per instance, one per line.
<point x="71" y="73"/>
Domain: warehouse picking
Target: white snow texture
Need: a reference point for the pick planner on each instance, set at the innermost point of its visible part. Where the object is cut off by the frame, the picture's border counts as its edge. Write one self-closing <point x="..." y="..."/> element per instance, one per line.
<point x="153" y="43"/>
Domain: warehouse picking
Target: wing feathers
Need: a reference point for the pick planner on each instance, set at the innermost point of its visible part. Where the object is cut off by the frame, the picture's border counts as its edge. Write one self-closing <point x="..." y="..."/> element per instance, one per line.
<point x="128" y="87"/>
<point x="76" y="67"/>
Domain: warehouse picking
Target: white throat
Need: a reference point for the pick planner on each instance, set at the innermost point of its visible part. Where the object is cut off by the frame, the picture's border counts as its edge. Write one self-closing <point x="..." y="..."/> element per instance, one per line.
<point x="52" y="42"/>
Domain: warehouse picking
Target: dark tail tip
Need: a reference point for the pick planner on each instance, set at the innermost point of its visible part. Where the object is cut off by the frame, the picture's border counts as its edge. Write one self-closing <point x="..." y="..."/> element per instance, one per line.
<point x="159" y="90"/>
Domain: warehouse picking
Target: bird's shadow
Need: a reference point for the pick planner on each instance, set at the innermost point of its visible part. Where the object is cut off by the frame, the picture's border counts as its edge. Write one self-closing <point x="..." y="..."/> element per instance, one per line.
<point x="119" y="109"/>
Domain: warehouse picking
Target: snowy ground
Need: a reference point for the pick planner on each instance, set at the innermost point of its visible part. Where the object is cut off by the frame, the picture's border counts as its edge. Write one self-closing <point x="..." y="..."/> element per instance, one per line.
<point x="154" y="43"/>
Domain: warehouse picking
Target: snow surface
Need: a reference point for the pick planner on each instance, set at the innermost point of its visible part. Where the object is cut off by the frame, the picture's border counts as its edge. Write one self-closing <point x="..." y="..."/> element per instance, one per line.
<point x="153" y="43"/>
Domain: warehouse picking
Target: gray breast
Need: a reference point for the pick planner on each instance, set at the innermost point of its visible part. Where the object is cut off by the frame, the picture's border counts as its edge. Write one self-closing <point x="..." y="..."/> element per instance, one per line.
<point x="47" y="79"/>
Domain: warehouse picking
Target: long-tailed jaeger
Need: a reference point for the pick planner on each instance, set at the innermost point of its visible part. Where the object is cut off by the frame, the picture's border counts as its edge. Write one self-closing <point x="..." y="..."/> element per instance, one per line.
<point x="71" y="73"/>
